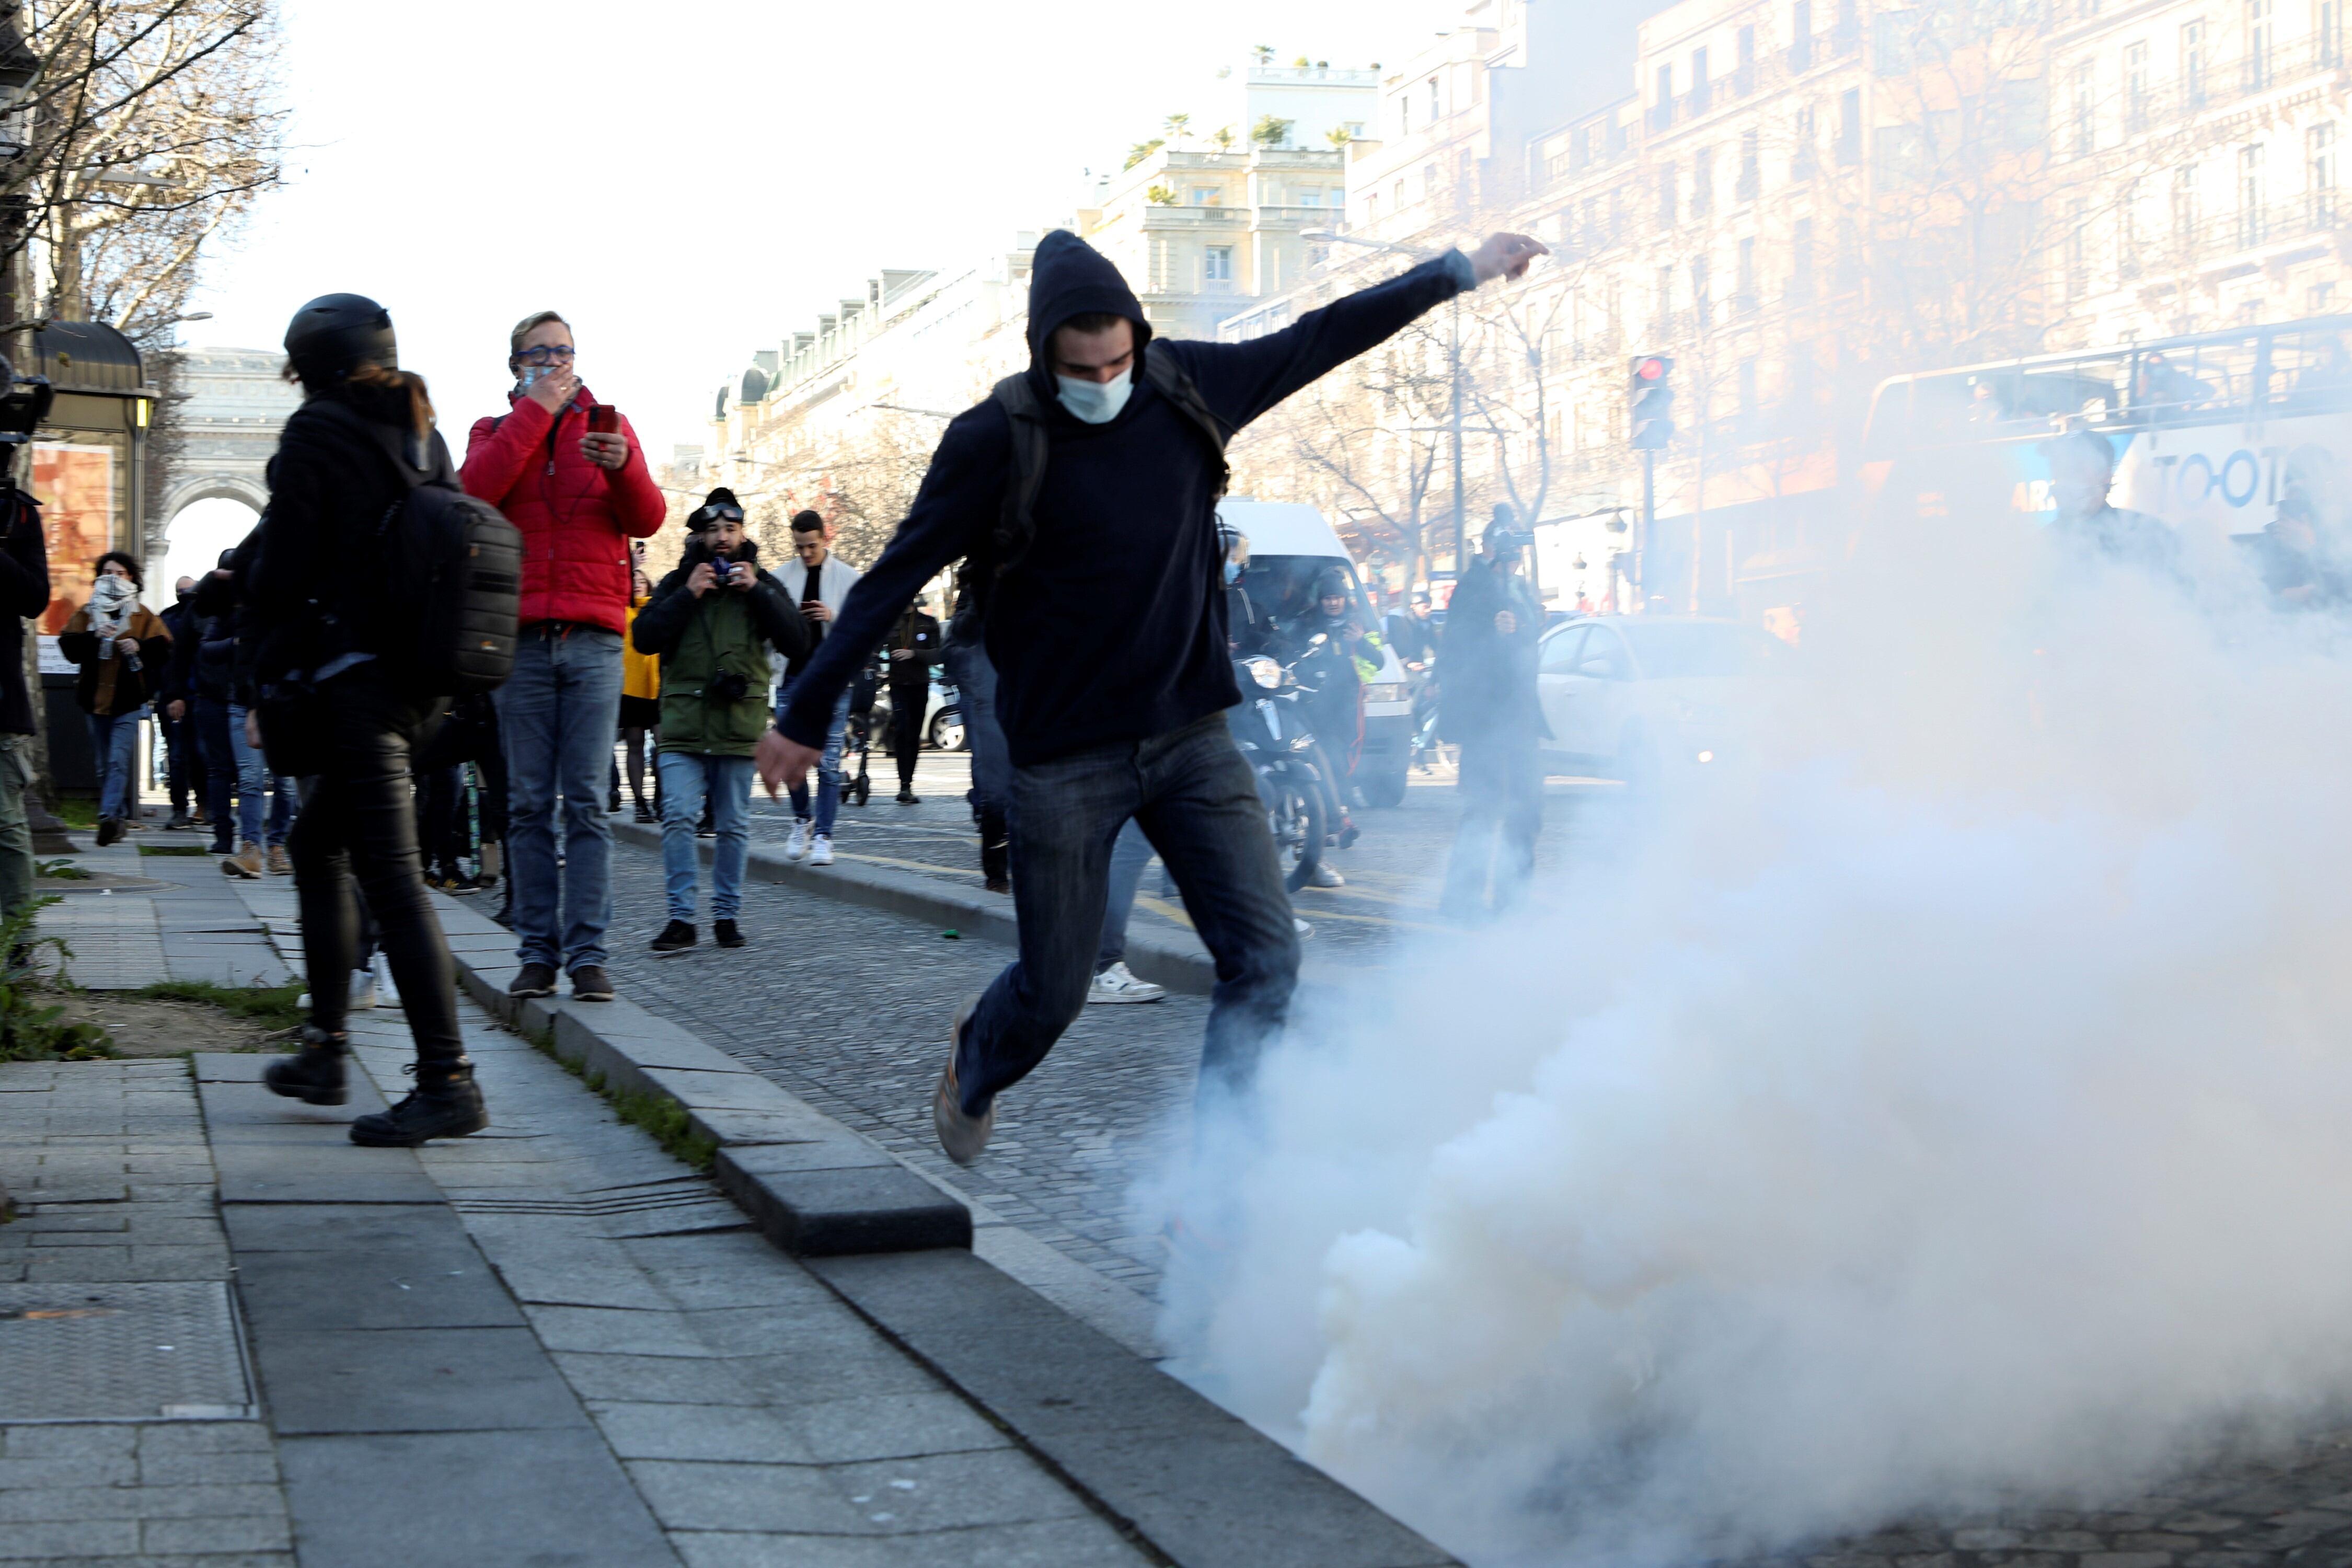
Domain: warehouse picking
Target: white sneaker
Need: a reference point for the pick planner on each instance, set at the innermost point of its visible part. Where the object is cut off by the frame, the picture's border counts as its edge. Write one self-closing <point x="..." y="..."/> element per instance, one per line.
<point x="363" y="989"/>
<point x="383" y="985"/>
<point x="821" y="850"/>
<point x="1117" y="984"/>
<point x="1326" y="876"/>
<point x="1302" y="928"/>
<point x="796" y="843"/>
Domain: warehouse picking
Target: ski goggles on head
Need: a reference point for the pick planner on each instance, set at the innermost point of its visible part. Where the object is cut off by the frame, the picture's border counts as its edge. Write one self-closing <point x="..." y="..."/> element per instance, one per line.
<point x="704" y="517"/>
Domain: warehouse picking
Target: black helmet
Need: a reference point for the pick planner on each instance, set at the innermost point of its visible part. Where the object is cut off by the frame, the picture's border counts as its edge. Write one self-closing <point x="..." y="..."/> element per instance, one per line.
<point x="335" y="334"/>
<point x="1330" y="584"/>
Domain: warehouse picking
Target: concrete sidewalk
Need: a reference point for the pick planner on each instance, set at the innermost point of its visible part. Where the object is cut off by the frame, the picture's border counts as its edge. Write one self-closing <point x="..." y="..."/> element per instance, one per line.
<point x="232" y="1337"/>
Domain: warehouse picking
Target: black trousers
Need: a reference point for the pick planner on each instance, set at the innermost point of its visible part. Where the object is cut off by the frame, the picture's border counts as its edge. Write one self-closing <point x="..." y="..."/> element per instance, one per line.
<point x="1501" y="784"/>
<point x="906" y="707"/>
<point x="356" y="838"/>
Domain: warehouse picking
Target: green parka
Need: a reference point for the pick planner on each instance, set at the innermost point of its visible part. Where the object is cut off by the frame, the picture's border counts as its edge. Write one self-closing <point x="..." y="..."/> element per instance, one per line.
<point x="726" y="631"/>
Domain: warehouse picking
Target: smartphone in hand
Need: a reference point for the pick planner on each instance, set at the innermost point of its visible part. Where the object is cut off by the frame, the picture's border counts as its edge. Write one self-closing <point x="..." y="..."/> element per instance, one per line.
<point x="604" y="419"/>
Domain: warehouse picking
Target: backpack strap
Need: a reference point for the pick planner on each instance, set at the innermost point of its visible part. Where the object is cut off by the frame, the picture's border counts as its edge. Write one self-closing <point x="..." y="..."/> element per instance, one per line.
<point x="1016" y="523"/>
<point x="1168" y="379"/>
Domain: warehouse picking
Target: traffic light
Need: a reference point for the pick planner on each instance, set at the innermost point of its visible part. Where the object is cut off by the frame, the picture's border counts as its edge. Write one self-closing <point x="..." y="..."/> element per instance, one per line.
<point x="1651" y="401"/>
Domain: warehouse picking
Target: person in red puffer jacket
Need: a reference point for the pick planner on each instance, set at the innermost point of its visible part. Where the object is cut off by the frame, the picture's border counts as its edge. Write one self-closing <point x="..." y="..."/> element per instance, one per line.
<point x="579" y="497"/>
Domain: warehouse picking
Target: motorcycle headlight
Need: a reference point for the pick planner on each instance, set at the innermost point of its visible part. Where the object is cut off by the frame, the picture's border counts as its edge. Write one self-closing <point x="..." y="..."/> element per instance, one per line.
<point x="1385" y="691"/>
<point x="1300" y="743"/>
<point x="1264" y="671"/>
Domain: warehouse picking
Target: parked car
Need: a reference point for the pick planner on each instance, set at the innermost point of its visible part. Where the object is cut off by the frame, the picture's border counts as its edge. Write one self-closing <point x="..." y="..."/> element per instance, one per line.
<point x="1637" y="697"/>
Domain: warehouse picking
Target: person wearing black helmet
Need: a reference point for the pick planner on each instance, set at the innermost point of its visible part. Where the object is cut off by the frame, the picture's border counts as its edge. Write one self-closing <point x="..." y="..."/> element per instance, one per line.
<point x="336" y="710"/>
<point x="1493" y="627"/>
<point x="1333" y="670"/>
<point x="1085" y="490"/>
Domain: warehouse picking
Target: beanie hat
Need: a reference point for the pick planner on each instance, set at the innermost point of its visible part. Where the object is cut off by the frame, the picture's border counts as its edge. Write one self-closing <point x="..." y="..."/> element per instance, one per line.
<point x="704" y="515"/>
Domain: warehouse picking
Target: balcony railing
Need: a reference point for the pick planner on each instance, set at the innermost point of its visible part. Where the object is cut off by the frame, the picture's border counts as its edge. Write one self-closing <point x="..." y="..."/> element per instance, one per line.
<point x="2224" y="82"/>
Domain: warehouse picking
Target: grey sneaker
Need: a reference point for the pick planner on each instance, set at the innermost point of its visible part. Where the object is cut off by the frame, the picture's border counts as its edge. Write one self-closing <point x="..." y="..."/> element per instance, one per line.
<point x="962" y="1136"/>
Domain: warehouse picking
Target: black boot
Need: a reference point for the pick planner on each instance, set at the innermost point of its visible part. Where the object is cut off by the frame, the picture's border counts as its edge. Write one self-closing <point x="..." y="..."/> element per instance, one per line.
<point x="315" y="1074"/>
<point x="445" y="1103"/>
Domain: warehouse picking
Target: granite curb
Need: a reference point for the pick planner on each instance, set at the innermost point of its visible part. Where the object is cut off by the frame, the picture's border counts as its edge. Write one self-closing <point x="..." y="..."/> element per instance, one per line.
<point x="1180" y="965"/>
<point x="812" y="1186"/>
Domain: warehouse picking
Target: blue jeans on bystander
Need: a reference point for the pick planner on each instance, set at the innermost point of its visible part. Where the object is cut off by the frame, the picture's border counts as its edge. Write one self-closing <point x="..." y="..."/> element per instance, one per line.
<point x="685" y="778"/>
<point x="828" y="780"/>
<point x="114" y="750"/>
<point x="557" y="714"/>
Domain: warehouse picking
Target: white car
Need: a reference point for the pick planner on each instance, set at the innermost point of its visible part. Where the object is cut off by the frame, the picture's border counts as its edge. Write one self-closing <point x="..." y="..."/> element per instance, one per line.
<point x="1633" y="697"/>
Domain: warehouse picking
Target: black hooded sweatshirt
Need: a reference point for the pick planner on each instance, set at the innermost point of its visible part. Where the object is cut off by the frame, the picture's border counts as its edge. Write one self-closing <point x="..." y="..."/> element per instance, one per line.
<point x="1110" y="629"/>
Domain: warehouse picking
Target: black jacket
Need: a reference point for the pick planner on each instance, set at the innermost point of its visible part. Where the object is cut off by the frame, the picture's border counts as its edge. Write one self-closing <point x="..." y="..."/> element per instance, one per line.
<point x="662" y="620"/>
<point x="1111" y="626"/>
<point x="1489" y="678"/>
<point x="307" y="593"/>
<point x="180" y="620"/>
<point x="1413" y="637"/>
<point x="23" y="594"/>
<point x="917" y="633"/>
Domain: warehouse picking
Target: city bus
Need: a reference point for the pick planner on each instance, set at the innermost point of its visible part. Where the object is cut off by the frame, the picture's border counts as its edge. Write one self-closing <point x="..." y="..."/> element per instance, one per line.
<point x="2209" y="430"/>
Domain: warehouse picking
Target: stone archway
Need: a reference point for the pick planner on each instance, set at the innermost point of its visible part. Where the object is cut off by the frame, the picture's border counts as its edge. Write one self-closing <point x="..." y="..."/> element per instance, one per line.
<point x="232" y="403"/>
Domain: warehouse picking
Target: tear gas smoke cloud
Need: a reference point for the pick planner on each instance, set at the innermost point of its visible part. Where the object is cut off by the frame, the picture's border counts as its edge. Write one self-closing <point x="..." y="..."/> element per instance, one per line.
<point x="1950" y="1107"/>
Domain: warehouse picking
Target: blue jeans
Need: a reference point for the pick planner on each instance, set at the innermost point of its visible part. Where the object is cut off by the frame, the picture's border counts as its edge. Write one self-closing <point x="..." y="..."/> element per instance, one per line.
<point x="686" y="776"/>
<point x="1129" y="857"/>
<point x="976" y="683"/>
<point x="114" y="748"/>
<point x="557" y="716"/>
<point x="1197" y="801"/>
<point x="828" y="777"/>
<point x="254" y="782"/>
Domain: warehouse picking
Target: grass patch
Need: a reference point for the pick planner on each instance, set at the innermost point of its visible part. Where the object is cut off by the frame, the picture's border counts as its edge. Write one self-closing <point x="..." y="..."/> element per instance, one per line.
<point x="60" y="872"/>
<point x="657" y="1114"/>
<point x="189" y="849"/>
<point x="271" y="1006"/>
<point x="31" y="1028"/>
<point x="78" y="811"/>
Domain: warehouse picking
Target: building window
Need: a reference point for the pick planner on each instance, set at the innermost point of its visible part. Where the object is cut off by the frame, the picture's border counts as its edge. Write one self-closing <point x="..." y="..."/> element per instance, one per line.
<point x="2136" y="86"/>
<point x="2087" y="125"/>
<point x="1751" y="165"/>
<point x="1666" y="215"/>
<point x="1800" y="36"/>
<point x="1801" y="260"/>
<point x="1744" y="81"/>
<point x="1208" y="197"/>
<point x="2078" y="269"/>
<point x="2319" y="163"/>
<point x="1849" y="135"/>
<point x="2127" y="236"/>
<point x="1746" y="391"/>
<point x="1662" y="113"/>
<point x="2330" y="20"/>
<point x="2258" y="45"/>
<point x="1666" y="321"/>
<point x="2251" y="228"/>
<point x="2186" y="210"/>
<point x="1806" y="162"/>
<point x="1849" y="256"/>
<point x="1219" y="265"/>
<point x="1435" y="113"/>
<point x="1702" y="302"/>
<point x="1744" y="302"/>
<point x="2192" y="63"/>
<point x="1702" y="182"/>
<point x="1311" y="196"/>
<point x="1700" y="86"/>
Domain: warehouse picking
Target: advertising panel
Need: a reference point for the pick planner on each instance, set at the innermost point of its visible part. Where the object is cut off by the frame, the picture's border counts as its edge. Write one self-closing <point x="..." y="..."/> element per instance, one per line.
<point x="75" y="485"/>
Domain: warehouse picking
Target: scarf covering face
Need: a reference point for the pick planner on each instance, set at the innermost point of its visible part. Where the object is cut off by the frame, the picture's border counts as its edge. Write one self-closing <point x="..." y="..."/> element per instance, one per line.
<point x="112" y="601"/>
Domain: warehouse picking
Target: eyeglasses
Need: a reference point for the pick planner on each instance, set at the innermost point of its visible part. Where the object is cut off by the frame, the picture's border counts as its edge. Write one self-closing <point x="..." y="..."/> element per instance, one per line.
<point x="559" y="354"/>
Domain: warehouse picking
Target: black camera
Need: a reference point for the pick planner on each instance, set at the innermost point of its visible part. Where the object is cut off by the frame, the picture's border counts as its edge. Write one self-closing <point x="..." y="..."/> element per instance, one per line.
<point x="728" y="686"/>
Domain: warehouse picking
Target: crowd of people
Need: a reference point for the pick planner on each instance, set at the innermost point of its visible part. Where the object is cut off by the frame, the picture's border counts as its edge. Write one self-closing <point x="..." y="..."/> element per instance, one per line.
<point x="1089" y="646"/>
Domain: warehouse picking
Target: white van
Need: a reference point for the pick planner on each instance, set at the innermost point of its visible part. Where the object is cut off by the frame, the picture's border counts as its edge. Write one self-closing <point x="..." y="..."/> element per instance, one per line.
<point x="1289" y="543"/>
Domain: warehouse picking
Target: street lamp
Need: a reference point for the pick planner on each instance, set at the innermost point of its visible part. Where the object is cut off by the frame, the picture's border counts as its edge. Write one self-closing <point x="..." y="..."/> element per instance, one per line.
<point x="1453" y="361"/>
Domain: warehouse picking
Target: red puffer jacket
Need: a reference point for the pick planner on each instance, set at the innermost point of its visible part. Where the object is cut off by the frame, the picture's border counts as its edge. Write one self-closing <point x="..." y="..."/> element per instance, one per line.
<point x="576" y="519"/>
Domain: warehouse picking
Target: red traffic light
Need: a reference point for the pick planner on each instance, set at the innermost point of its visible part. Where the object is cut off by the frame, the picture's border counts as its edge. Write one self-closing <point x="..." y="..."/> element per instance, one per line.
<point x="1650" y="369"/>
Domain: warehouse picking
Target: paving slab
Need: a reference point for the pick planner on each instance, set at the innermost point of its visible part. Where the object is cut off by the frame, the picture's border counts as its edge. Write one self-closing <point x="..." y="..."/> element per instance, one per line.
<point x="411" y="1380"/>
<point x="467" y="1499"/>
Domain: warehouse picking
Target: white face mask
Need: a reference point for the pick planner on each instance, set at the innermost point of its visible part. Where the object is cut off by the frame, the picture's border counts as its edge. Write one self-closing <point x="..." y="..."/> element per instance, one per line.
<point x="1095" y="402"/>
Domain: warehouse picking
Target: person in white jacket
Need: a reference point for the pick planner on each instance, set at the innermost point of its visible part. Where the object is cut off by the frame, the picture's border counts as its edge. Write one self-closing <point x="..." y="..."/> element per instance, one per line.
<point x="819" y="583"/>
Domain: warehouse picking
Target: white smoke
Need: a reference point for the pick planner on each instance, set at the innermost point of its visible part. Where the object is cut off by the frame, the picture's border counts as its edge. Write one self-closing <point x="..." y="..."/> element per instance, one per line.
<point x="1957" y="1106"/>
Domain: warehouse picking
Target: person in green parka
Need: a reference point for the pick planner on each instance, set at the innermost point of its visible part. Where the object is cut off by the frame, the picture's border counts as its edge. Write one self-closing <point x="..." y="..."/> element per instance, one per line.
<point x="712" y="622"/>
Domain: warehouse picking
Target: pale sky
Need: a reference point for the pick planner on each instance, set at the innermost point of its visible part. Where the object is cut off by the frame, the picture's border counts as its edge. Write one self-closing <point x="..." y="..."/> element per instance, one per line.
<point x="687" y="181"/>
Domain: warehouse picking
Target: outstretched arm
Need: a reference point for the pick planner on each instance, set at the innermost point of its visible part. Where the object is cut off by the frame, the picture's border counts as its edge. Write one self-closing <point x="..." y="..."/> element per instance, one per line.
<point x="1242" y="380"/>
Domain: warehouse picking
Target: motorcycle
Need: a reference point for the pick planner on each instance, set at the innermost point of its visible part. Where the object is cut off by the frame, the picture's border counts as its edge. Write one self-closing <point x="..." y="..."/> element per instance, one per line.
<point x="1271" y="730"/>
